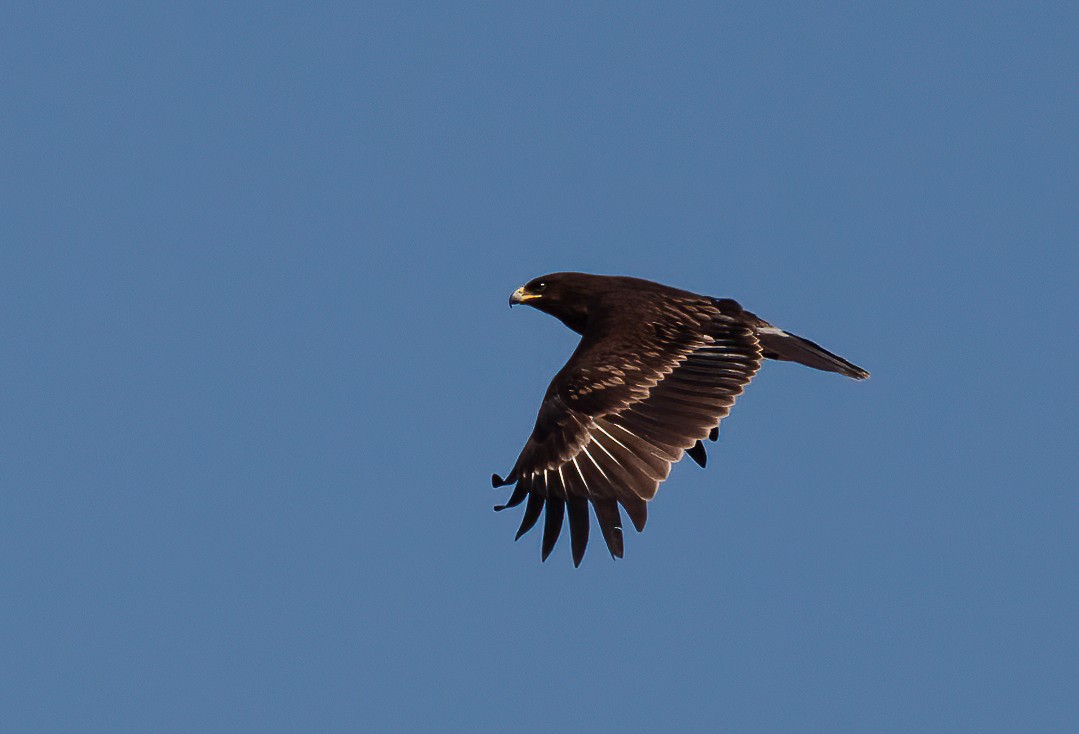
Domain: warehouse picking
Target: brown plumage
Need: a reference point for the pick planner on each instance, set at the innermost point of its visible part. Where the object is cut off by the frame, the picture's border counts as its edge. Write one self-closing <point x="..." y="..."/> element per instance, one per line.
<point x="655" y="372"/>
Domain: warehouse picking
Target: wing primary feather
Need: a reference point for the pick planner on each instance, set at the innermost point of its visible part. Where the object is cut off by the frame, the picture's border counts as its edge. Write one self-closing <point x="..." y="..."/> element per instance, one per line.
<point x="610" y="524"/>
<point x="497" y="481"/>
<point x="577" y="510"/>
<point x="652" y="455"/>
<point x="561" y="489"/>
<point x="532" y="513"/>
<point x="601" y="483"/>
<point x="587" y="453"/>
<point x="713" y="435"/>
<point x="636" y="508"/>
<point x="552" y="524"/>
<point x="630" y="458"/>
<point x="596" y="482"/>
<point x="698" y="454"/>
<point x="584" y="481"/>
<point x="628" y="480"/>
<point x="518" y="496"/>
<point x="617" y="474"/>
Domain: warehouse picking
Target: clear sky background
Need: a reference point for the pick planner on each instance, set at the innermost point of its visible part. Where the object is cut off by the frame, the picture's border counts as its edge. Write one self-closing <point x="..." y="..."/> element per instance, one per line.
<point x="258" y="365"/>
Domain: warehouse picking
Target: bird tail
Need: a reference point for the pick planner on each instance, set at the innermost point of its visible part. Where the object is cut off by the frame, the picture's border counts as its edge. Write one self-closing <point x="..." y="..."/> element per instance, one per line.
<point x="781" y="345"/>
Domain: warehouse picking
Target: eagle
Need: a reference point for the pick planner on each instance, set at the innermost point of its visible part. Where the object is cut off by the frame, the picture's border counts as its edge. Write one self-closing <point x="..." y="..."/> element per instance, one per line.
<point x="656" y="370"/>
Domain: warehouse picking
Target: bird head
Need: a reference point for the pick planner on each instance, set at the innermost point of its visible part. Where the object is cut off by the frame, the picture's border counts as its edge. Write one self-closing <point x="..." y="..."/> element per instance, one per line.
<point x="566" y="296"/>
<point x="528" y="292"/>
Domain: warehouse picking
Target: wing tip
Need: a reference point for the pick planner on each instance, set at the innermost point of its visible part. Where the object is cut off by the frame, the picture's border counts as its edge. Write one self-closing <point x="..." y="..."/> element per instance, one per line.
<point x="698" y="454"/>
<point x="497" y="481"/>
<point x="552" y="525"/>
<point x="616" y="545"/>
<point x="520" y="533"/>
<point x="531" y="515"/>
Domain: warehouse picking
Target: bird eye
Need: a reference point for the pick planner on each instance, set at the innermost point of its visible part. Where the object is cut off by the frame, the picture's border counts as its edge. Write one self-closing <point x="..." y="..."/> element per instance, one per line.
<point x="538" y="286"/>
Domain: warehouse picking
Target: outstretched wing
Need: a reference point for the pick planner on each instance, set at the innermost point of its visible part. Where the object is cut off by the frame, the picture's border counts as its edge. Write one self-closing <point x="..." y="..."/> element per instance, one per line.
<point x="620" y="413"/>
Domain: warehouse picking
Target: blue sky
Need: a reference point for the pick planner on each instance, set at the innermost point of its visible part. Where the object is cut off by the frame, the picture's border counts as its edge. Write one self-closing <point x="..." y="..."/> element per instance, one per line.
<point x="259" y="365"/>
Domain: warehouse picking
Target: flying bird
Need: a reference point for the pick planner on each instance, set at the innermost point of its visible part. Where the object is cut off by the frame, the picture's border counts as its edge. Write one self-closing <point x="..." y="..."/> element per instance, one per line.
<point x="656" y="370"/>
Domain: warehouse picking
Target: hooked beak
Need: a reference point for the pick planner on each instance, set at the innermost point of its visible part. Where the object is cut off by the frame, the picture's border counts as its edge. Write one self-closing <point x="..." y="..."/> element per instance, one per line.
<point x="521" y="296"/>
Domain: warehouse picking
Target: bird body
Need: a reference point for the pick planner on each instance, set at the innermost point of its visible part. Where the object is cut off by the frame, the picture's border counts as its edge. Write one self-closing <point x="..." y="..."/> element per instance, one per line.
<point x="656" y="370"/>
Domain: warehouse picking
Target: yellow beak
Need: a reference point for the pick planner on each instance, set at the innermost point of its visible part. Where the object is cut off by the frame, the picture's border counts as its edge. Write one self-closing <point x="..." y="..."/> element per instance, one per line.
<point x="521" y="296"/>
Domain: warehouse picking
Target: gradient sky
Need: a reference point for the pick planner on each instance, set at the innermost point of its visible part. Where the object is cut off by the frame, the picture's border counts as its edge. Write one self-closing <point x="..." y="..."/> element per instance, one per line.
<point x="258" y="364"/>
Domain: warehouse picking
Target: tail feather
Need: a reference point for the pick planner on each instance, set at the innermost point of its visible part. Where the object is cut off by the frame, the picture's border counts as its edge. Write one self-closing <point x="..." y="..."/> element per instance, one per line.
<point x="781" y="345"/>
